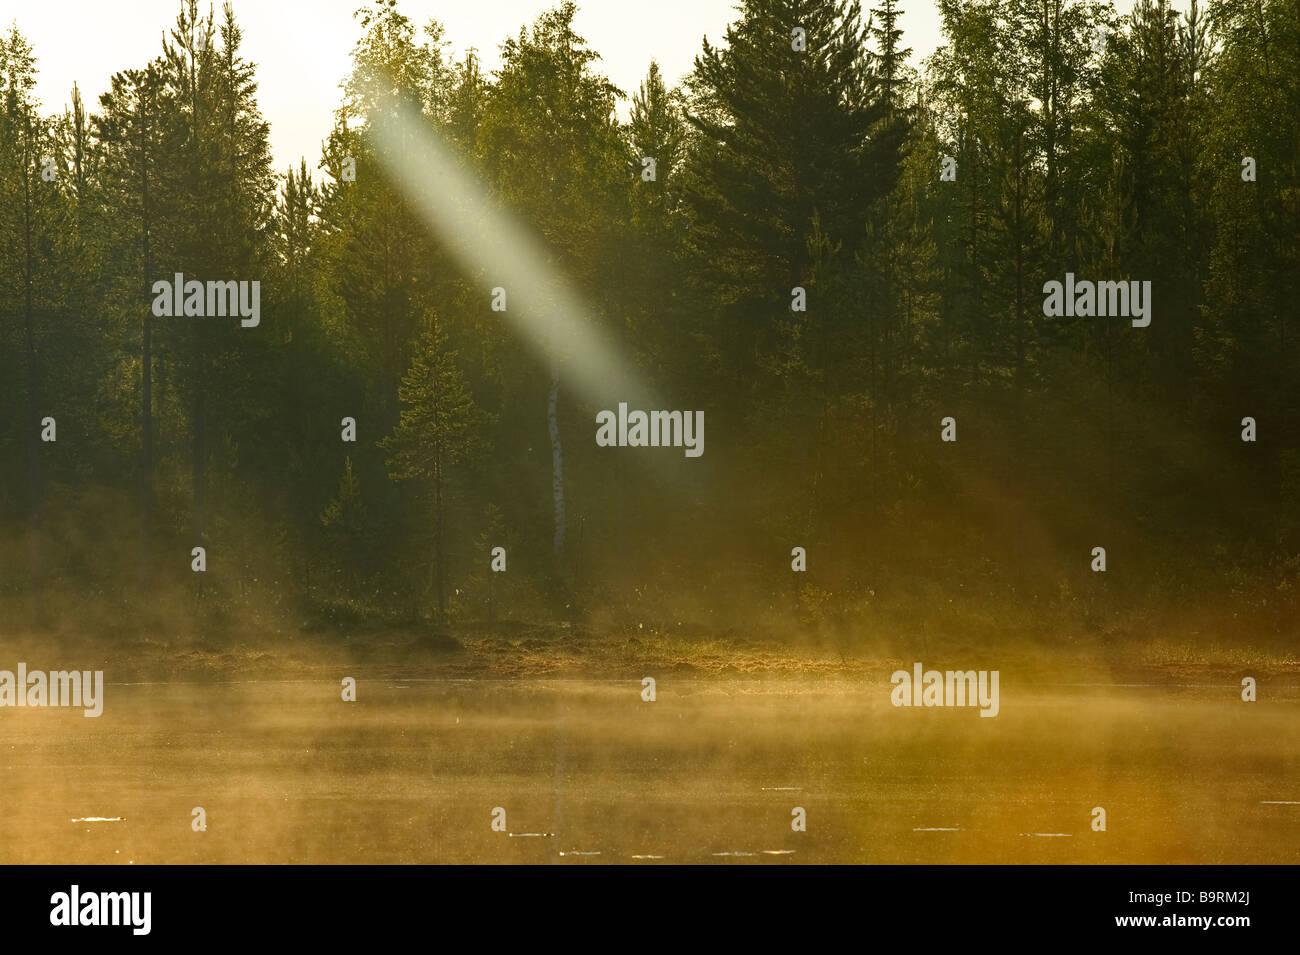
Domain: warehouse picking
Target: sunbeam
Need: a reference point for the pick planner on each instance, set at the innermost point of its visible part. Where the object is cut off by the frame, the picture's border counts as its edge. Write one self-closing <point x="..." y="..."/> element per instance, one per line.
<point x="486" y="240"/>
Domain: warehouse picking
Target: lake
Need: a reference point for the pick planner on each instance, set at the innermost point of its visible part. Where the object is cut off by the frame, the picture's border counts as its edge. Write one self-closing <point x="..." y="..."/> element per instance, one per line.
<point x="710" y="772"/>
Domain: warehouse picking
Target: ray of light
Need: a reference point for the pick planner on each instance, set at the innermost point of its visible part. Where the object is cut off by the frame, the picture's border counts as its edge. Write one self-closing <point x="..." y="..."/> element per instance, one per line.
<point x="487" y="241"/>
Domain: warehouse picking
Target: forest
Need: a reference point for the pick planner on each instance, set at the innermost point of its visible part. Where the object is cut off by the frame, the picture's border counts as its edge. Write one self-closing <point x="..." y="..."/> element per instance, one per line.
<point x="838" y="262"/>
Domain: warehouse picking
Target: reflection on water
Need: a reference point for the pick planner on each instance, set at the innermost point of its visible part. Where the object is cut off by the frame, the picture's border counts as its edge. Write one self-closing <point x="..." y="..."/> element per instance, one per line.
<point x="709" y="772"/>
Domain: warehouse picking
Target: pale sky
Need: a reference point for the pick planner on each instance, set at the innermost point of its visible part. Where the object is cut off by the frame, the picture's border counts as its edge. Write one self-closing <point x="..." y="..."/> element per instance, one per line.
<point x="302" y="47"/>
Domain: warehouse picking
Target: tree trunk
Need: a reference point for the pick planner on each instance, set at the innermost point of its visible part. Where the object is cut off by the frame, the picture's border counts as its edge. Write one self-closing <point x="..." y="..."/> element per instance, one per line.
<point x="557" y="466"/>
<point x="146" y="359"/>
<point x="439" y="555"/>
<point x="33" y="369"/>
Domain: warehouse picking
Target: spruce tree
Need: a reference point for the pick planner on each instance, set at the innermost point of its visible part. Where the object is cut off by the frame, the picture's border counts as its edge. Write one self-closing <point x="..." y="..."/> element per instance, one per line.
<point x="438" y="433"/>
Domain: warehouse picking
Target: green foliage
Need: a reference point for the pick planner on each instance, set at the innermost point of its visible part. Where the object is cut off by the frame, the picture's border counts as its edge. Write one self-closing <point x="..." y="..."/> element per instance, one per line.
<point x="775" y="168"/>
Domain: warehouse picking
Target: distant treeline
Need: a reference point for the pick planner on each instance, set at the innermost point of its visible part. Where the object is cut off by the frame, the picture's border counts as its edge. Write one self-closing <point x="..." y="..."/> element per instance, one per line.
<point x="830" y="254"/>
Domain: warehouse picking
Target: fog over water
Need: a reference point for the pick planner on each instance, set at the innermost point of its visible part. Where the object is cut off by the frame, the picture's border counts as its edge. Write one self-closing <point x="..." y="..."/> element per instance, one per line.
<point x="588" y="772"/>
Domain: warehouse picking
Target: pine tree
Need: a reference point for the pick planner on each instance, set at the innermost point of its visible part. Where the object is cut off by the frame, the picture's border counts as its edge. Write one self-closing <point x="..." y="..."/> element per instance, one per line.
<point x="216" y="169"/>
<point x="438" y="433"/>
<point x="32" y="301"/>
<point x="657" y="324"/>
<point x="344" y="520"/>
<point x="129" y="134"/>
<point x="783" y="138"/>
